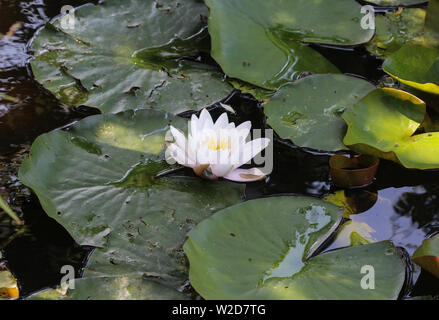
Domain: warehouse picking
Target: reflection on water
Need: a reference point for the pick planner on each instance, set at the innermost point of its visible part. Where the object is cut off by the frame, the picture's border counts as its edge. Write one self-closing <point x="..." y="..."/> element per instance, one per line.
<point x="31" y="111"/>
<point x="396" y="216"/>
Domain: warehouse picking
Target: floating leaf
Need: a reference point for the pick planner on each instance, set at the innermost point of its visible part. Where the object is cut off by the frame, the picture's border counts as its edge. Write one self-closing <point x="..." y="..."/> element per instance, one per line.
<point x="98" y="180"/>
<point x="396" y="2"/>
<point x="257" y="92"/>
<point x="427" y="255"/>
<point x="432" y="23"/>
<point x="111" y="288"/>
<point x="308" y="111"/>
<point x="260" y="249"/>
<point x="415" y="65"/>
<point x="267" y="50"/>
<point x="384" y="123"/>
<point x="393" y="30"/>
<point x="131" y="54"/>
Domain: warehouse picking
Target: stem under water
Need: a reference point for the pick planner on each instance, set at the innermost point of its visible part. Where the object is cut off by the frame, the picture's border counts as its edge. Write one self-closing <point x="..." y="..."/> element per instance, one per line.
<point x="9" y="211"/>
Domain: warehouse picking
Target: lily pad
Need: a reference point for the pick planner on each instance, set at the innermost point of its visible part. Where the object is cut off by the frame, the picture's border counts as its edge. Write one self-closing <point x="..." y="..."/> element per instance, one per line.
<point x="394" y="30"/>
<point x="432" y="22"/>
<point x="415" y="65"/>
<point x="257" y="92"/>
<point x="98" y="180"/>
<point x="392" y="3"/>
<point x="111" y="288"/>
<point x="261" y="249"/>
<point x="427" y="255"/>
<point x="308" y="111"/>
<point x="268" y="50"/>
<point x="143" y="57"/>
<point x="384" y="124"/>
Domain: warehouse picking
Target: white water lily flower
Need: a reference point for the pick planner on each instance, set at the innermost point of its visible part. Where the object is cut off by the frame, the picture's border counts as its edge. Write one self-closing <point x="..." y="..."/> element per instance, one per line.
<point x="215" y="150"/>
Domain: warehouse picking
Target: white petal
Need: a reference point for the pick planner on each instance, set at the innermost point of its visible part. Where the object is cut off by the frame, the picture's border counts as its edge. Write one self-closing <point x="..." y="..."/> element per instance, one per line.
<point x="193" y="125"/>
<point x="222" y="122"/>
<point x="251" y="149"/>
<point x="221" y="170"/>
<point x="178" y="155"/>
<point x="244" y="129"/>
<point x="245" y="175"/>
<point x="205" y="121"/>
<point x="202" y="153"/>
<point x="231" y="126"/>
<point x="192" y="147"/>
<point x="179" y="137"/>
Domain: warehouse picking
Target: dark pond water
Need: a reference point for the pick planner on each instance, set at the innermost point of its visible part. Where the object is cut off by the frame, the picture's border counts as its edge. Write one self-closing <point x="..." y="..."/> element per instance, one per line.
<point x="402" y="205"/>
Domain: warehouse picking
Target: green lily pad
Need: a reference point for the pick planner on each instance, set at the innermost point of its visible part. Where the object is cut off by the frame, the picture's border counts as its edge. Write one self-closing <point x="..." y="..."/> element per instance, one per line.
<point x="393" y="30"/>
<point x="308" y="111"/>
<point x="432" y="23"/>
<point x="98" y="180"/>
<point x="135" y="59"/>
<point x="415" y="65"/>
<point x="257" y="92"/>
<point x="427" y="255"/>
<point x="261" y="249"/>
<point x="392" y="3"/>
<point x="267" y="50"/>
<point x="384" y="124"/>
<point x="111" y="288"/>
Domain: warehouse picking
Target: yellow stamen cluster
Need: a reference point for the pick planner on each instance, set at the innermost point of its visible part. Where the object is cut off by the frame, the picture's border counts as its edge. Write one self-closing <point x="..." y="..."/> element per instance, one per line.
<point x="215" y="145"/>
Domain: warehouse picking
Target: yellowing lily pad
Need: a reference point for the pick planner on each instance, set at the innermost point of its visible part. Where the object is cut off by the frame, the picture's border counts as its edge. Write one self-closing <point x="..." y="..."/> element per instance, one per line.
<point x="99" y="179"/>
<point x="427" y="255"/>
<point x="262" y="42"/>
<point x="128" y="54"/>
<point x="308" y="112"/>
<point x="262" y="249"/>
<point x="384" y="124"/>
<point x="415" y="65"/>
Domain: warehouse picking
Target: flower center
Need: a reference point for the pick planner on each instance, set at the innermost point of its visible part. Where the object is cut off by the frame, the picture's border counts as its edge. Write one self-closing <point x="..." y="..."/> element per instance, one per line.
<point x="215" y="145"/>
